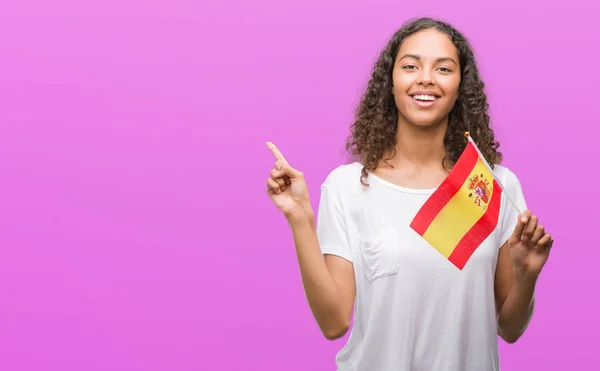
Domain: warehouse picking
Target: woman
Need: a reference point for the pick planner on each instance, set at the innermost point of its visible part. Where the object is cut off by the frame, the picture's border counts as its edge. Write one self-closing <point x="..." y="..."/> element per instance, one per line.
<point x="413" y="310"/>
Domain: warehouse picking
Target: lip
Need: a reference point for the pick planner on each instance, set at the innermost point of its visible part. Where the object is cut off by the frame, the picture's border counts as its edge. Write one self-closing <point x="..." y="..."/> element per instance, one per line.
<point x="424" y="104"/>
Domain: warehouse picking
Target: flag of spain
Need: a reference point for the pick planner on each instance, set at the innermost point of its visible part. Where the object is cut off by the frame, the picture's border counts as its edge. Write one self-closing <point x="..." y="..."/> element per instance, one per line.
<point x="463" y="211"/>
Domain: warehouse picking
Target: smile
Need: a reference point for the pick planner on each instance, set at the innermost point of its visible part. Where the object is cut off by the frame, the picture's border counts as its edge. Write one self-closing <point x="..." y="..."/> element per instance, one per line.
<point x="424" y="101"/>
<point x="425" y="97"/>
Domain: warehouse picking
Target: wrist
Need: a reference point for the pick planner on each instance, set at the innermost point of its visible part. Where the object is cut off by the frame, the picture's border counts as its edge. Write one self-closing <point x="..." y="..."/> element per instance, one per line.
<point x="300" y="214"/>
<point x="523" y="278"/>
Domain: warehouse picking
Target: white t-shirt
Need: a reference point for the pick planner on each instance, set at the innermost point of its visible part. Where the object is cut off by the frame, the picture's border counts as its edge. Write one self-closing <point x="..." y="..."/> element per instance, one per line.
<point x="414" y="310"/>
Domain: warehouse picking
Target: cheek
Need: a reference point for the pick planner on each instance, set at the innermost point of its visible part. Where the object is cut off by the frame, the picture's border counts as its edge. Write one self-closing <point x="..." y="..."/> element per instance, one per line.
<point x="451" y="89"/>
<point x="402" y="83"/>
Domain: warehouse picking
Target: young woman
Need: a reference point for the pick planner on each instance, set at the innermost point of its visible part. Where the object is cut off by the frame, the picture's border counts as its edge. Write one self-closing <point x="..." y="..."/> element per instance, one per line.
<point x="413" y="309"/>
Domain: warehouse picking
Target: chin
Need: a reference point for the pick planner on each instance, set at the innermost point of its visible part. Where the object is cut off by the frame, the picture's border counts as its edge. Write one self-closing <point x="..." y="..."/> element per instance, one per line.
<point x="425" y="121"/>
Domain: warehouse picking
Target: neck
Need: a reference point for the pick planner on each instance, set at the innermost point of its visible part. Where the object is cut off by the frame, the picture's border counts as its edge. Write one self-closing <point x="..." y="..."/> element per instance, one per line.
<point x="419" y="146"/>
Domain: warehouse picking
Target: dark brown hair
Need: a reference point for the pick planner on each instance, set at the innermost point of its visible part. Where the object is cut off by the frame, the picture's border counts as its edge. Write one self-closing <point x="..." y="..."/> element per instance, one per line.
<point x="373" y="131"/>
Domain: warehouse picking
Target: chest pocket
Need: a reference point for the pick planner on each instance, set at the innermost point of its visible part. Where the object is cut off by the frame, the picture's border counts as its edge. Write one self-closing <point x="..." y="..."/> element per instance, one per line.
<point x="381" y="255"/>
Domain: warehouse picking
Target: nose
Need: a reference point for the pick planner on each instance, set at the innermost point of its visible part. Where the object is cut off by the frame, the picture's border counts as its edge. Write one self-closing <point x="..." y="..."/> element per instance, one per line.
<point x="426" y="77"/>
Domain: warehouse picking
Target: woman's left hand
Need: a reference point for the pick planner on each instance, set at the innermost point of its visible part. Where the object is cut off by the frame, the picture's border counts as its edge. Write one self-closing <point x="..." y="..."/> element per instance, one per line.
<point x="529" y="246"/>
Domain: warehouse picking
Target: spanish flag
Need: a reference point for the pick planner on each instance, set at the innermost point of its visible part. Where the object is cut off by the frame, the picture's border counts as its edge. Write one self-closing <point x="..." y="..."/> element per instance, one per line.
<point x="464" y="210"/>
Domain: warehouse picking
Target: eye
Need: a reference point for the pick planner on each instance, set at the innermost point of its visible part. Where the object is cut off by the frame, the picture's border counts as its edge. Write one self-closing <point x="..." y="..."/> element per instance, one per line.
<point x="445" y="69"/>
<point x="409" y="67"/>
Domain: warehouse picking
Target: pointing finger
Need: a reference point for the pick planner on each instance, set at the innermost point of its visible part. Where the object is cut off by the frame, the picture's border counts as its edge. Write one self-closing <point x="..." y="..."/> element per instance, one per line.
<point x="278" y="155"/>
<point x="278" y="164"/>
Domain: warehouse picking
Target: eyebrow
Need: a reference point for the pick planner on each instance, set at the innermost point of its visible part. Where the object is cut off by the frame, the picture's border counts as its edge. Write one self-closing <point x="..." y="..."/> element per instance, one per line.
<point x="417" y="57"/>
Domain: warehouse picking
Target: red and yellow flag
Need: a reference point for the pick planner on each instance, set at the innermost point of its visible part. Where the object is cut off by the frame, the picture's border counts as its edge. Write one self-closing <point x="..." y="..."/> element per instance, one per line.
<point x="463" y="211"/>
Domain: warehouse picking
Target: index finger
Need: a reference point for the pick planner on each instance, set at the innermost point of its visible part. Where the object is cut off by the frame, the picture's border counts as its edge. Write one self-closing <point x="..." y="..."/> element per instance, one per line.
<point x="278" y="155"/>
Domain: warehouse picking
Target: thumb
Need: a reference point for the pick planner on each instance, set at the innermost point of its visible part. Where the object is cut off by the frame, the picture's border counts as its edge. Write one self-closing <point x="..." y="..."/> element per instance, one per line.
<point x="520" y="227"/>
<point x="290" y="172"/>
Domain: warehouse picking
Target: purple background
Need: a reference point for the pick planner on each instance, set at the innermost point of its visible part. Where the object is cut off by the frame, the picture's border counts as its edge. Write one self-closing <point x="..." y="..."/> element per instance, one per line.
<point x="135" y="233"/>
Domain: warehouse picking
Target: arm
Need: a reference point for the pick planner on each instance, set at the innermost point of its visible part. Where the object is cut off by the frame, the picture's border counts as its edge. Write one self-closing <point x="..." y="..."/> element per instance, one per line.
<point x="514" y="298"/>
<point x="328" y="281"/>
<point x="520" y="262"/>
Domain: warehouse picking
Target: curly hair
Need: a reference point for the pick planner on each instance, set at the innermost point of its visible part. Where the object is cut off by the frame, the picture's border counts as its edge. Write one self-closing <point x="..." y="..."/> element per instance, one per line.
<point x="373" y="131"/>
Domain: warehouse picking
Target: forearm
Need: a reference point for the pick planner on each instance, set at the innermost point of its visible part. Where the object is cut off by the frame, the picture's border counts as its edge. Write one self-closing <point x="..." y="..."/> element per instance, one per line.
<point x="517" y="310"/>
<point x="322" y="294"/>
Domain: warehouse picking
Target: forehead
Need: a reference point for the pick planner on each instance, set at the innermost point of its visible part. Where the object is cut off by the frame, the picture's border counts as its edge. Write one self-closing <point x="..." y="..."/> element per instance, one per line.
<point x="429" y="44"/>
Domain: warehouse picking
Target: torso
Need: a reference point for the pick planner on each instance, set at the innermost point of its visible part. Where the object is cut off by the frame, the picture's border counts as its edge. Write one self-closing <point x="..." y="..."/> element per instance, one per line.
<point x="414" y="310"/>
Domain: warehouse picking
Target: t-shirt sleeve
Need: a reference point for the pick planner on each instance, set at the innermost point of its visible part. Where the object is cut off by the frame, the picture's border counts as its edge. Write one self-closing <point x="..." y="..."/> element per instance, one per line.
<point x="513" y="189"/>
<point x="331" y="225"/>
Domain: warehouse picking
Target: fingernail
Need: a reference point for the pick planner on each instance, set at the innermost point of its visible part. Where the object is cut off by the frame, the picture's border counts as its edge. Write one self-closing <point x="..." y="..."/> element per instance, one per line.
<point x="524" y="219"/>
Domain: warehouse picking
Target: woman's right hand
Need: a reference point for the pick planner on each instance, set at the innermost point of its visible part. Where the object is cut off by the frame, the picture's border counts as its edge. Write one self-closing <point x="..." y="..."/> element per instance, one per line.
<point x="286" y="186"/>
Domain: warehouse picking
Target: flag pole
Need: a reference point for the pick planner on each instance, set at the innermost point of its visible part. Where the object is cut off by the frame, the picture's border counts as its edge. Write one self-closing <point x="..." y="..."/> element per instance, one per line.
<point x="468" y="135"/>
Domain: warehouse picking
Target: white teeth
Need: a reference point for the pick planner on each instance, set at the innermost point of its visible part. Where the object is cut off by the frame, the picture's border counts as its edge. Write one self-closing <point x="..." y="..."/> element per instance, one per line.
<point x="424" y="97"/>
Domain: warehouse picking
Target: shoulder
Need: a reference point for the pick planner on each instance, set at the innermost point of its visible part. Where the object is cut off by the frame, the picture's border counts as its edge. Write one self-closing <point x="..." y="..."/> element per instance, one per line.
<point x="507" y="177"/>
<point x="344" y="178"/>
<point x="511" y="184"/>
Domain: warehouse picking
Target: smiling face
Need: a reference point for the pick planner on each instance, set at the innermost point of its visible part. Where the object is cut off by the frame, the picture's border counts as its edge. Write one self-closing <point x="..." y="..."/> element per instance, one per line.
<point x="426" y="78"/>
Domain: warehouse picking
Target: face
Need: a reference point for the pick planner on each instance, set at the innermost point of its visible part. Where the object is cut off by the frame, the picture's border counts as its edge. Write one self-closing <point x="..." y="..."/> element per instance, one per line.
<point x="426" y="78"/>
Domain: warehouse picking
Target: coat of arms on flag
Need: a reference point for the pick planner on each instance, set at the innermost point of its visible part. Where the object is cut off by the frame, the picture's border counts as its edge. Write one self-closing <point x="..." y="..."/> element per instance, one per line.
<point x="464" y="210"/>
